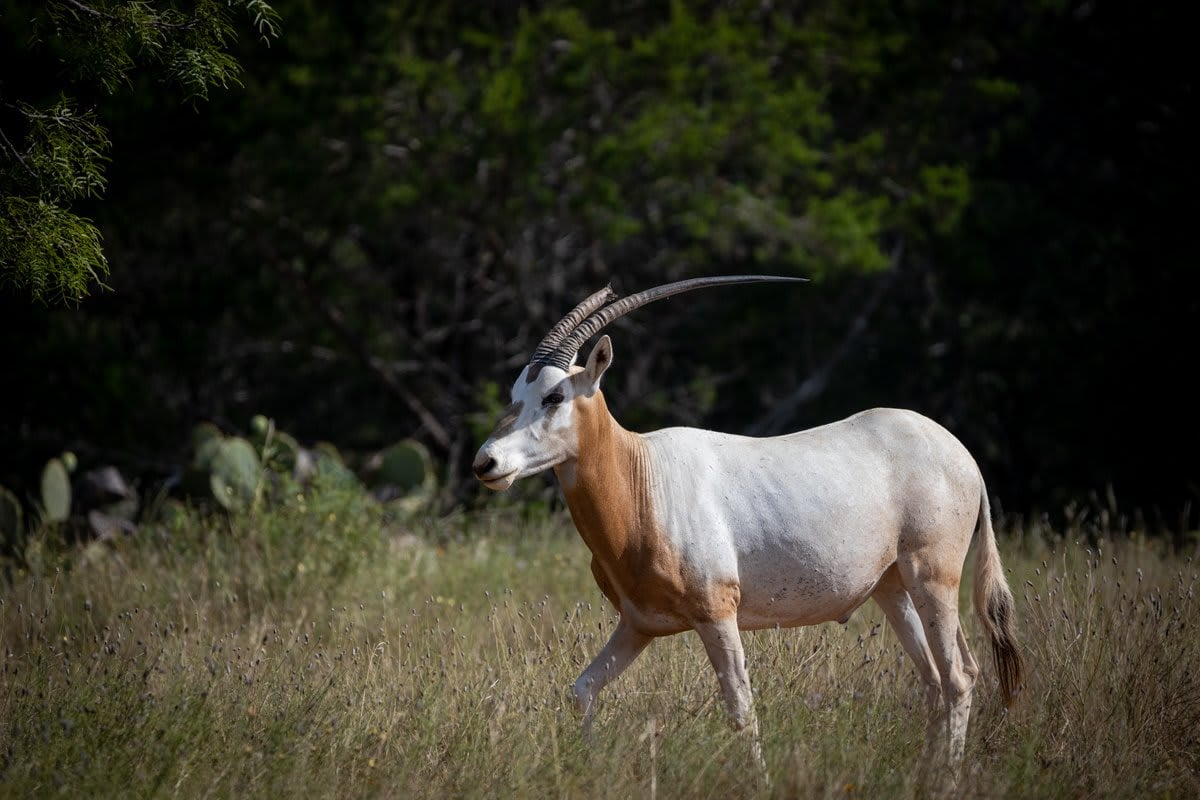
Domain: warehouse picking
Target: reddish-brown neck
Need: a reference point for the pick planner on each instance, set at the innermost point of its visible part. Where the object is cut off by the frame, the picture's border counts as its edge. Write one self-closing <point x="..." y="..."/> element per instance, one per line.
<point x="608" y="492"/>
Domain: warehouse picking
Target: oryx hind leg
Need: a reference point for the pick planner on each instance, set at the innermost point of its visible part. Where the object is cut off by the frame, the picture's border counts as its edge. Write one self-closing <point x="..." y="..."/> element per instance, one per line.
<point x="893" y="598"/>
<point x="970" y="665"/>
<point x="934" y="595"/>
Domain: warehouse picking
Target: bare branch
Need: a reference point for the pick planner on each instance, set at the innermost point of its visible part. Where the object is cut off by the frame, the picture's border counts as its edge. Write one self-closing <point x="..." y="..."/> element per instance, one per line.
<point x="16" y="153"/>
<point x="378" y="368"/>
<point x="92" y="12"/>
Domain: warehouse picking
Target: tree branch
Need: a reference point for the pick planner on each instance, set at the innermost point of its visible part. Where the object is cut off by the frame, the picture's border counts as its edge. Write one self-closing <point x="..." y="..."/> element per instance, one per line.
<point x="94" y="12"/>
<point x="16" y="153"/>
<point x="376" y="366"/>
<point x="155" y="21"/>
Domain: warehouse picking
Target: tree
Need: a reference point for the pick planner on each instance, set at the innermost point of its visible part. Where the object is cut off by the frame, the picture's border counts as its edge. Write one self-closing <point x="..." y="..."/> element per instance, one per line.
<point x="365" y="242"/>
<point x="54" y="144"/>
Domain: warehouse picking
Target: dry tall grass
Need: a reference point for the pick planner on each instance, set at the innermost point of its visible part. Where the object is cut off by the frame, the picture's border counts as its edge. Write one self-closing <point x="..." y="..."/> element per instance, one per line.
<point x="232" y="660"/>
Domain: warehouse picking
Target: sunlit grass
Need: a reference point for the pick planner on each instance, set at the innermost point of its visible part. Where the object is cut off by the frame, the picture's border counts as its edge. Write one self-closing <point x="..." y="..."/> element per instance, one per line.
<point x="324" y="651"/>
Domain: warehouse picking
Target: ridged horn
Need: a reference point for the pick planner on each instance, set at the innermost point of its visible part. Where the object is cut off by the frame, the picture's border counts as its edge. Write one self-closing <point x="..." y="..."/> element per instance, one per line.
<point x="564" y="354"/>
<point x="554" y="338"/>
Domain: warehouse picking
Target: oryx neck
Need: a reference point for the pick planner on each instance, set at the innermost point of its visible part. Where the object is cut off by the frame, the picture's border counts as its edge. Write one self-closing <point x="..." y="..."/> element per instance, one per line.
<point x="607" y="484"/>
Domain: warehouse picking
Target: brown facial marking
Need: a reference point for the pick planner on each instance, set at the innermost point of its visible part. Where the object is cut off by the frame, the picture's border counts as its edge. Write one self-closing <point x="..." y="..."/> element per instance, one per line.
<point x="632" y="560"/>
<point x="508" y="420"/>
<point x="534" y="371"/>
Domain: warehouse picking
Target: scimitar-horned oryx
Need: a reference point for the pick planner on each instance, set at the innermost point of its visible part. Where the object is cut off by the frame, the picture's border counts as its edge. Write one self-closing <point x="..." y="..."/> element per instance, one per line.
<point x="692" y="529"/>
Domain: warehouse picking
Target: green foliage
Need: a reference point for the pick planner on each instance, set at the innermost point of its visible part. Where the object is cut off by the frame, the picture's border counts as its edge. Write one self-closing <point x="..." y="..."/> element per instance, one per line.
<point x="487" y="408"/>
<point x="48" y="251"/>
<point x="945" y="194"/>
<point x="107" y="41"/>
<point x="847" y="230"/>
<point x="53" y="153"/>
<point x="492" y="163"/>
<point x="64" y="153"/>
<point x="321" y="535"/>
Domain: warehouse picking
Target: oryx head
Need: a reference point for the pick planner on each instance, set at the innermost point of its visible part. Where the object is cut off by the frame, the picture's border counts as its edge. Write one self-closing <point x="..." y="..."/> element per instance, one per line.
<point x="537" y="430"/>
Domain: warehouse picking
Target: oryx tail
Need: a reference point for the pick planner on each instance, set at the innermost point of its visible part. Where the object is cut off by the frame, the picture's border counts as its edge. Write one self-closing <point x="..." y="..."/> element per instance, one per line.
<point x="994" y="604"/>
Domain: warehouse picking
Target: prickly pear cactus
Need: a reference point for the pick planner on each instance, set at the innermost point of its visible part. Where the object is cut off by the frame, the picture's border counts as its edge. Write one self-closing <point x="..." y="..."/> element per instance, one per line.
<point x="330" y="467"/>
<point x="56" y="491"/>
<point x="262" y="433"/>
<point x="205" y="432"/>
<point x="405" y="465"/>
<point x="279" y="452"/>
<point x="260" y="425"/>
<point x="402" y="476"/>
<point x="206" y="448"/>
<point x="236" y="474"/>
<point x="284" y="449"/>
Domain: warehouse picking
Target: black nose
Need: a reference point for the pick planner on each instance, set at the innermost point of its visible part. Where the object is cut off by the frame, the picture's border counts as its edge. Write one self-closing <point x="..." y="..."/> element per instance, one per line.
<point x="483" y="465"/>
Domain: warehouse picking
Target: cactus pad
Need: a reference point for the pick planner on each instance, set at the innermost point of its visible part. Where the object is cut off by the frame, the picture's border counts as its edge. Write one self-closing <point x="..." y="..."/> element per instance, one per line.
<point x="235" y="476"/>
<point x="260" y="425"/>
<point x="206" y="453"/>
<point x="405" y="465"/>
<point x="56" y="491"/>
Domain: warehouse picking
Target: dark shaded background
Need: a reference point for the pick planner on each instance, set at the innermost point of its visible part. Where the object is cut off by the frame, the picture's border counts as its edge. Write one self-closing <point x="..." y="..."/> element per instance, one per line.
<point x="367" y="238"/>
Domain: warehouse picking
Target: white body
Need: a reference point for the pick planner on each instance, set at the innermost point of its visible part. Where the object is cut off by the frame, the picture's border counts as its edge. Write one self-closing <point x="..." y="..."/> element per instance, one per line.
<point x="696" y="530"/>
<point x="806" y="524"/>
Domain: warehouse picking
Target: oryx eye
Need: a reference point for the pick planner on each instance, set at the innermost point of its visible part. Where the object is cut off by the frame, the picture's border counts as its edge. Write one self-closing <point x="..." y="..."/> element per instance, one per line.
<point x="552" y="399"/>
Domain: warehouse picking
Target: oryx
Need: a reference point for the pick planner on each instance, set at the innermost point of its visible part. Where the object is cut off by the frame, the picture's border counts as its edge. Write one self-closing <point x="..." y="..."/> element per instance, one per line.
<point x="696" y="530"/>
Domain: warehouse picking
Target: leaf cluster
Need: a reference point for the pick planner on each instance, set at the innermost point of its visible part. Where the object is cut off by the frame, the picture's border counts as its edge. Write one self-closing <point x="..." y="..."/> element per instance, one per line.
<point x="54" y="149"/>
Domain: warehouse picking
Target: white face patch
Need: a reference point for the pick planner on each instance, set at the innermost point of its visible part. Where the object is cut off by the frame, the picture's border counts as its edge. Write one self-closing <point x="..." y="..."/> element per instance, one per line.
<point x="536" y="433"/>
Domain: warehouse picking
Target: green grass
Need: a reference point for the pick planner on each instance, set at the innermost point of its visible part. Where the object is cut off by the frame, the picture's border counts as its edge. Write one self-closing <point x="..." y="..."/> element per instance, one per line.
<point x="321" y="650"/>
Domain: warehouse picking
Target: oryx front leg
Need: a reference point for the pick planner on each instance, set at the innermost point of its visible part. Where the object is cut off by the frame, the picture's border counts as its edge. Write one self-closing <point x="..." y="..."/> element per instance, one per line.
<point x="723" y="643"/>
<point x="623" y="647"/>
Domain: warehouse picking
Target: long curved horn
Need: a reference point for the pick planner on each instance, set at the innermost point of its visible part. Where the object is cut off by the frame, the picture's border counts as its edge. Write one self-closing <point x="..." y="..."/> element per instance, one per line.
<point x="564" y="354"/>
<point x="568" y="323"/>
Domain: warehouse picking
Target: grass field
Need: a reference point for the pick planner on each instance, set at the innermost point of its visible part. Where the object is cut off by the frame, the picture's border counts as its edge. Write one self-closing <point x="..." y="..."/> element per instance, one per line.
<point x="319" y="650"/>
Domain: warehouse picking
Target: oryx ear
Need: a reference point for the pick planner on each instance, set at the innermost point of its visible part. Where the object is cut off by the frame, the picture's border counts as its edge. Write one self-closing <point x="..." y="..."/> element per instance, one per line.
<point x="598" y="361"/>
